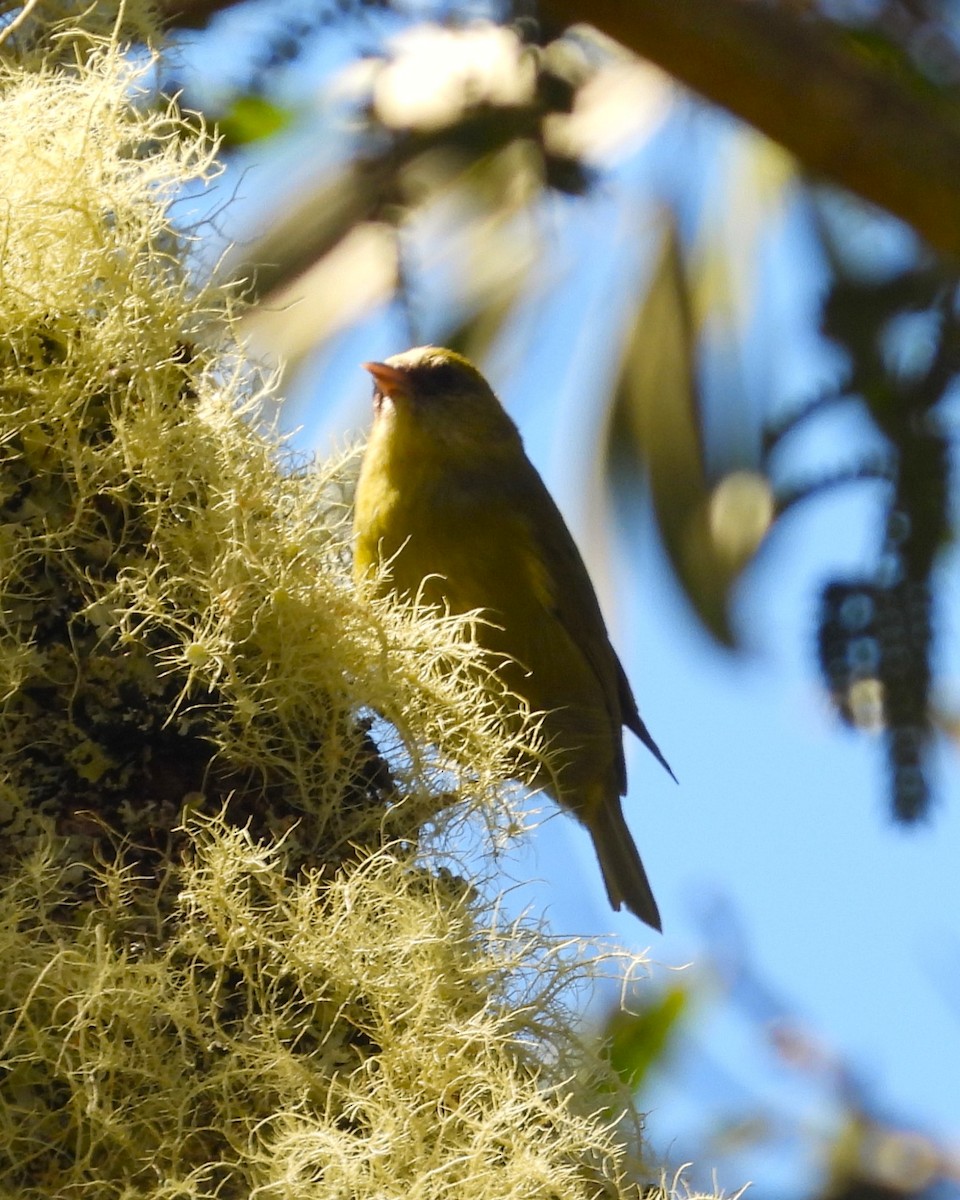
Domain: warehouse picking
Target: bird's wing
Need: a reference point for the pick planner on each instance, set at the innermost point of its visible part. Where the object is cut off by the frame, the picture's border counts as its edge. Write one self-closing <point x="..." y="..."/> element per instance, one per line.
<point x="633" y="721"/>
<point x="532" y="528"/>
<point x="569" y="595"/>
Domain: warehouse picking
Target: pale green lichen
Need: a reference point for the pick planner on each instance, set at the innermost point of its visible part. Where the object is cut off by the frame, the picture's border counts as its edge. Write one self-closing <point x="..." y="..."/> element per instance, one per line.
<point x="38" y="33"/>
<point x="232" y="965"/>
<point x="360" y="1036"/>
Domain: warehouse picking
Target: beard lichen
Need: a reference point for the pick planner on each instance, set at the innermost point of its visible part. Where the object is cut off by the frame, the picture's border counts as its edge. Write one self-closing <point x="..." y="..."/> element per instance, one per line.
<point x="231" y="966"/>
<point x="360" y="1036"/>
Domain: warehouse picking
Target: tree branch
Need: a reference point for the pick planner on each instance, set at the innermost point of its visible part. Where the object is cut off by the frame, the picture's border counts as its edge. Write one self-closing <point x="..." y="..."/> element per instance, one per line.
<point x="841" y="115"/>
<point x="192" y="14"/>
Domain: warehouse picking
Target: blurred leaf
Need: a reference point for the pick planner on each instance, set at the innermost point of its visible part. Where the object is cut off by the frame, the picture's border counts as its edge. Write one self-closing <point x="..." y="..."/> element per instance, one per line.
<point x="252" y="118"/>
<point x="755" y="180"/>
<point x="474" y="336"/>
<point x="709" y="532"/>
<point x="634" y="1041"/>
<point x="384" y="182"/>
<point x="300" y="234"/>
<point x="872" y="1160"/>
<point x="359" y="273"/>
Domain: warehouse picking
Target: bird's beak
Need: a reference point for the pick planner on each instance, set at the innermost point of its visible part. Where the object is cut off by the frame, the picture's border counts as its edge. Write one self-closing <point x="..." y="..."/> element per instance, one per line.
<point x="391" y="381"/>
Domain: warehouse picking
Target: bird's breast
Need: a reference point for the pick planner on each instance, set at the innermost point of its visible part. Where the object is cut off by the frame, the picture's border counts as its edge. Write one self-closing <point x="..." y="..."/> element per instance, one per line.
<point x="403" y="511"/>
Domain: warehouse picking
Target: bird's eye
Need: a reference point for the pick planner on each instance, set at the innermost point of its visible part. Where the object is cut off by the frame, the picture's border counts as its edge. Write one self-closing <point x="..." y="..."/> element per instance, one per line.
<point x="377" y="399"/>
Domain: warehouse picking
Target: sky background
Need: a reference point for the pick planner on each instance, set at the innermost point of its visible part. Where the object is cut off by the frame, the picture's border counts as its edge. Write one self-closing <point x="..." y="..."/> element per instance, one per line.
<point x="786" y="891"/>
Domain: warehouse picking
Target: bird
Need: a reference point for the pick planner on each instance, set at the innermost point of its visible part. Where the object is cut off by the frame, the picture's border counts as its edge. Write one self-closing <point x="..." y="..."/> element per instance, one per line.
<point x="450" y="509"/>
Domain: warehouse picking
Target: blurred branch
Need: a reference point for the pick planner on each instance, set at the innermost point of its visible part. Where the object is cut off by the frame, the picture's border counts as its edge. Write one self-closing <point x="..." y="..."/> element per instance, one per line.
<point x="192" y="14"/>
<point x="874" y="470"/>
<point x="840" y="114"/>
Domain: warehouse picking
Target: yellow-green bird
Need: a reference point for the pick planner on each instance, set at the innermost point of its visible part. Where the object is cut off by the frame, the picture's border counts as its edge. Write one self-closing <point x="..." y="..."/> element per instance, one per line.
<point x="449" y="500"/>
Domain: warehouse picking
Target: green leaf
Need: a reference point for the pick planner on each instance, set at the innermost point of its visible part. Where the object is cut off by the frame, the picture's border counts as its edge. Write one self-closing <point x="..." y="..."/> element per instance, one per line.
<point x="253" y="118"/>
<point x="636" y="1041"/>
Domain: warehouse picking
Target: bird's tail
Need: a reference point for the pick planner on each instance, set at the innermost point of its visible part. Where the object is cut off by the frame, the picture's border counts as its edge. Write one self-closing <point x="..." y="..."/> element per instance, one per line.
<point x="623" y="873"/>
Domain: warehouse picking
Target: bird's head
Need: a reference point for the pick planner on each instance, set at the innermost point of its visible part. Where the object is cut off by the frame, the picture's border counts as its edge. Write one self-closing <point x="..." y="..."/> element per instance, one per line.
<point x="439" y="395"/>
